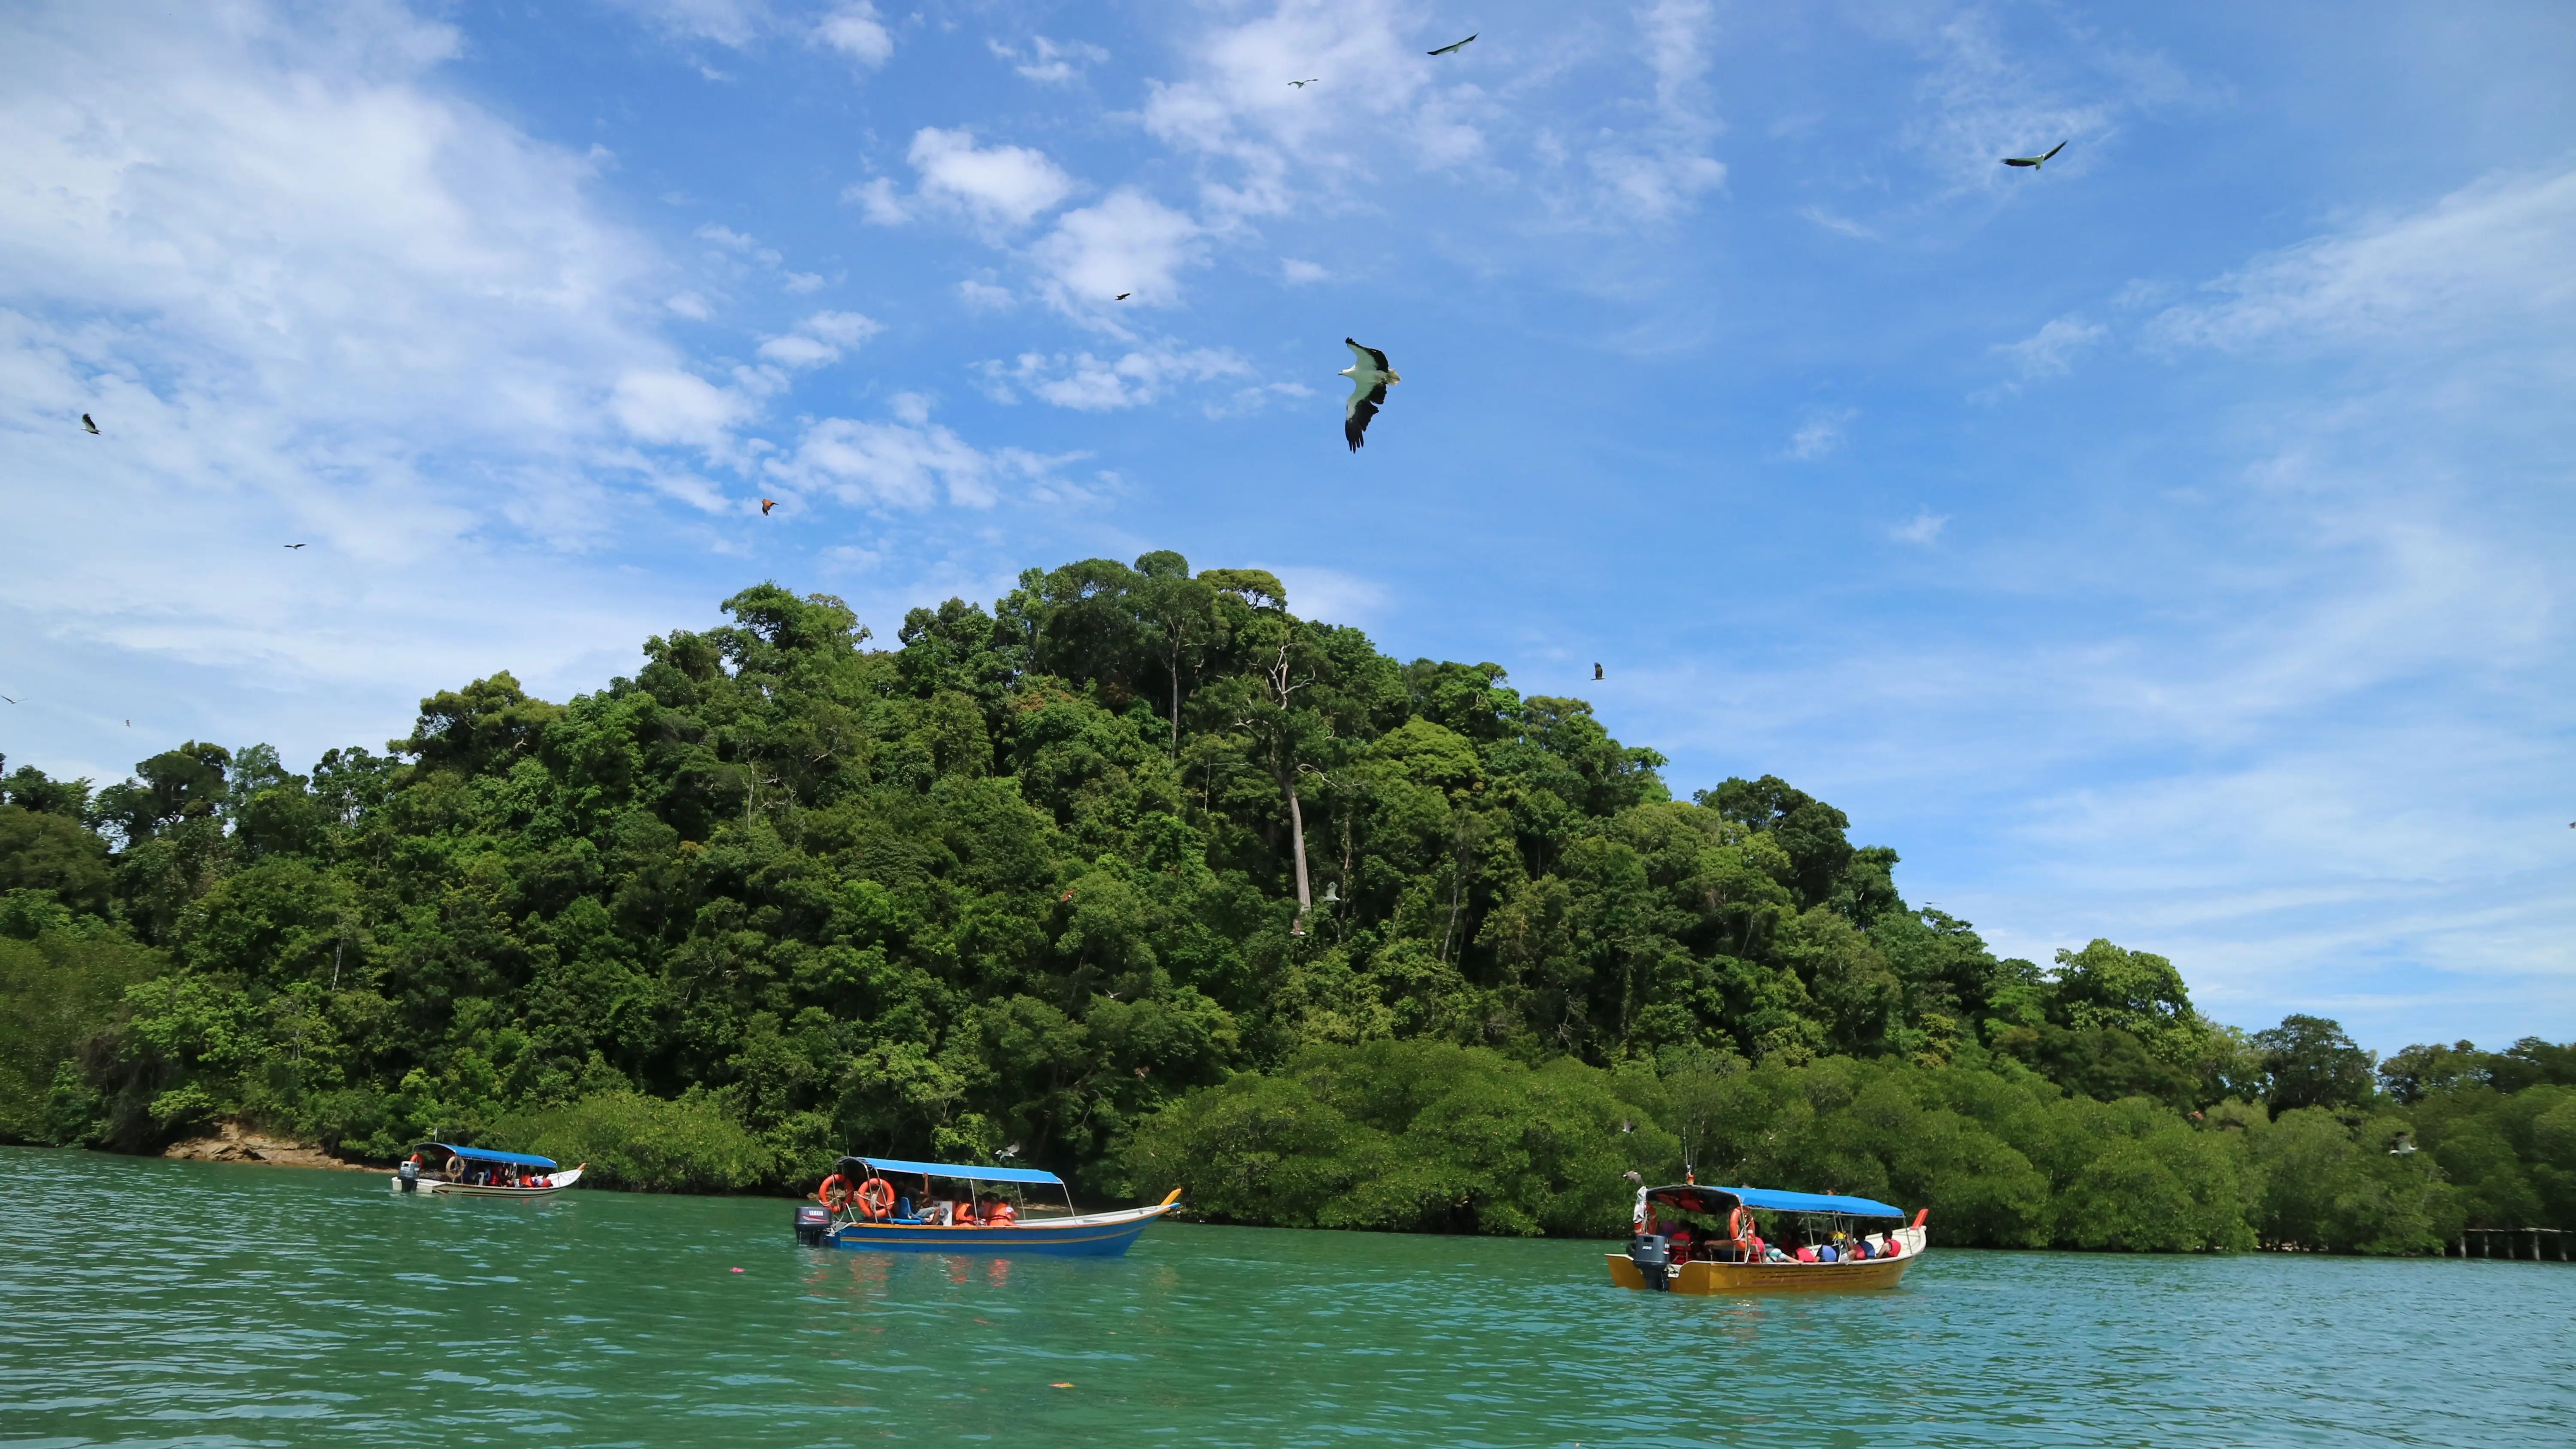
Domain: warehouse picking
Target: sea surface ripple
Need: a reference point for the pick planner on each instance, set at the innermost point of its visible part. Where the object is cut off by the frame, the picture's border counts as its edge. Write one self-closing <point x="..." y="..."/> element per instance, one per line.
<point x="146" y="1303"/>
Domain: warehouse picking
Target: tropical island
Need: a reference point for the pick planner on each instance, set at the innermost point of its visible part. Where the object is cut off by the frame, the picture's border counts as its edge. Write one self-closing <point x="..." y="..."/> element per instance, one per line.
<point x="1140" y="877"/>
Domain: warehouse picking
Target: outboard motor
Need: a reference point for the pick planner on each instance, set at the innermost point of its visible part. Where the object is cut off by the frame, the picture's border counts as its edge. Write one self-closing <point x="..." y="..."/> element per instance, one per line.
<point x="1653" y="1256"/>
<point x="813" y="1224"/>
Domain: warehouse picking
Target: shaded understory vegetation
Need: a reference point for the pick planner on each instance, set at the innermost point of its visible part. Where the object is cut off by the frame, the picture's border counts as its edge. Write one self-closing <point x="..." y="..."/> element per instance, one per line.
<point x="1143" y="878"/>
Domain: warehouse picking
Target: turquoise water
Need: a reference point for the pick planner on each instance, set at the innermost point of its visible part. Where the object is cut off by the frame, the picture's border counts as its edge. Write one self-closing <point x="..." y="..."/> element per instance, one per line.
<point x="147" y="1302"/>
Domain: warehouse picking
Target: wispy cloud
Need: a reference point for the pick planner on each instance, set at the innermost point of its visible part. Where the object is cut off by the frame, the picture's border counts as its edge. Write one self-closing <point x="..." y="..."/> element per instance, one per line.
<point x="1923" y="530"/>
<point x="1094" y="384"/>
<point x="1821" y="433"/>
<point x="2501" y="253"/>
<point x="1051" y="62"/>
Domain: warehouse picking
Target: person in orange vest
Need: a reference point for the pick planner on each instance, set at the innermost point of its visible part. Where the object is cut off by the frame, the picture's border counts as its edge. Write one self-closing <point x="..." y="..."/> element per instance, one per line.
<point x="1001" y="1214"/>
<point x="963" y="1214"/>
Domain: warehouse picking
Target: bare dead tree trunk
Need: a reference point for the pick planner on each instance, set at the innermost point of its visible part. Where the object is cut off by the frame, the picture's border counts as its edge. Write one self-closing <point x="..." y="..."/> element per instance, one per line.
<point x="1297" y="832"/>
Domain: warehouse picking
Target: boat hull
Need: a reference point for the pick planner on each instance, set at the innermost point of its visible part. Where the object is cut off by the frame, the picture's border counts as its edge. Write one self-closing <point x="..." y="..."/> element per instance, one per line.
<point x="1100" y="1235"/>
<point x="443" y="1188"/>
<point x="1719" y="1278"/>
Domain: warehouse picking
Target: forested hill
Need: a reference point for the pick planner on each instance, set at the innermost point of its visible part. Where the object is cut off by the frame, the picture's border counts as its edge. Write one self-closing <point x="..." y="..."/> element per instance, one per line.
<point x="1076" y="880"/>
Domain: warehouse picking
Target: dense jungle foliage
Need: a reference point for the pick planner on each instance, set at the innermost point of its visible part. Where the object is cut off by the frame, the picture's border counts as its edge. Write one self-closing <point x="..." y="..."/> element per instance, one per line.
<point x="1144" y="878"/>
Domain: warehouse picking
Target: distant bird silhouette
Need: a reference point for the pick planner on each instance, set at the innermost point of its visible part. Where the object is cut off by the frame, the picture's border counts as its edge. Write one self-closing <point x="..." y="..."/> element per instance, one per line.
<point x="294" y="545"/>
<point x="2033" y="162"/>
<point x="12" y="701"/>
<point x="767" y="504"/>
<point x="1301" y="85"/>
<point x="86" y="423"/>
<point x="1060" y="900"/>
<point x="1123" y="296"/>
<point x="1596" y="671"/>
<point x="129" y="724"/>
<point x="1454" y="49"/>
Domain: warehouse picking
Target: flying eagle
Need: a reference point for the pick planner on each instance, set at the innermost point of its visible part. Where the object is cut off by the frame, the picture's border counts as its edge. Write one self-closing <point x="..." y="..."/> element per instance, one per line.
<point x="1310" y="80"/>
<point x="1596" y="671"/>
<point x="86" y="423"/>
<point x="1123" y="296"/>
<point x="2033" y="161"/>
<point x="767" y="504"/>
<point x="1454" y="49"/>
<point x="294" y="545"/>
<point x="1370" y="377"/>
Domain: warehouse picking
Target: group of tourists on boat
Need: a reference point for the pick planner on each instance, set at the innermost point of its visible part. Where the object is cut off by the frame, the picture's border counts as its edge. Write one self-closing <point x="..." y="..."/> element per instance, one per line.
<point x="482" y="1172"/>
<point x="876" y="1200"/>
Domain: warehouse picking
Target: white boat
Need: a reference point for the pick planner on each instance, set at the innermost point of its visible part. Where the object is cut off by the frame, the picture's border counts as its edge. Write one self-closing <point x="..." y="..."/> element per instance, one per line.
<point x="485" y="1172"/>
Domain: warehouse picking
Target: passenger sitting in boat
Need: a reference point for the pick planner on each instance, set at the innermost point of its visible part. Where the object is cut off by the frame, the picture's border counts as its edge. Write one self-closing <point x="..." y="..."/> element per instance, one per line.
<point x="1829" y="1254"/>
<point x="1807" y="1254"/>
<point x="1773" y="1254"/>
<point x="999" y="1213"/>
<point x="1860" y="1250"/>
<point x="962" y="1213"/>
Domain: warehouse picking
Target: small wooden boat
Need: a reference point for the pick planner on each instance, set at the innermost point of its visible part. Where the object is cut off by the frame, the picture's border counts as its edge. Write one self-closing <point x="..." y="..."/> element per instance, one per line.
<point x="886" y="1204"/>
<point x="1693" y="1239"/>
<point x="484" y="1172"/>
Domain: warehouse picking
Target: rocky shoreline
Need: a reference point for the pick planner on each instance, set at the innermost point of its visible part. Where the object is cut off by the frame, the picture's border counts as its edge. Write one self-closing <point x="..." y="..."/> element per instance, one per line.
<point x="231" y="1144"/>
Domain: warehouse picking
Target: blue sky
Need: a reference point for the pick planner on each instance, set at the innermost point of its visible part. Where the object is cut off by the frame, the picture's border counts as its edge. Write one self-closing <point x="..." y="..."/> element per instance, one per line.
<point x="2167" y="545"/>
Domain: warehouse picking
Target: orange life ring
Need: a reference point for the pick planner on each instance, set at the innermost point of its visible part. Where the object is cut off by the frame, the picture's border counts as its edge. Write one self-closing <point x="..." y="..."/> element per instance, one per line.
<point x="876" y="1198"/>
<point x="824" y="1196"/>
<point x="1739" y="1226"/>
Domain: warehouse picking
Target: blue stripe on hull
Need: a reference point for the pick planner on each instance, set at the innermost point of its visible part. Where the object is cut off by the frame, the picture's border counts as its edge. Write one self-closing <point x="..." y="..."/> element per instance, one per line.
<point x="1107" y="1242"/>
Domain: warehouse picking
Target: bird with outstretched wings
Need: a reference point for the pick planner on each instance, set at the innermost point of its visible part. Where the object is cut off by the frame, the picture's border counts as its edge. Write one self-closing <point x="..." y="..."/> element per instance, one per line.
<point x="1370" y="377"/>
<point x="2033" y="162"/>
<point x="1310" y="80"/>
<point x="1454" y="49"/>
<point x="86" y="423"/>
<point x="767" y="504"/>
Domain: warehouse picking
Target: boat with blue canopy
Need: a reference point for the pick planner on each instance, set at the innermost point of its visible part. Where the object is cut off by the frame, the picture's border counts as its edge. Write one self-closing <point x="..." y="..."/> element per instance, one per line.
<point x="1689" y="1238"/>
<point x="482" y="1172"/>
<point x="892" y="1204"/>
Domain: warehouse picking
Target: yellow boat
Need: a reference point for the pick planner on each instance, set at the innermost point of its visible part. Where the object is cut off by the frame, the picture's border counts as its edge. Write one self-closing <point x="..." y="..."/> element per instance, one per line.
<point x="1693" y="1239"/>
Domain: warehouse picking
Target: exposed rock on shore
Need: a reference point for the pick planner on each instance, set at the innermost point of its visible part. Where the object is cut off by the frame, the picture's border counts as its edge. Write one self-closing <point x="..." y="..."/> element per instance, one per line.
<point x="231" y="1144"/>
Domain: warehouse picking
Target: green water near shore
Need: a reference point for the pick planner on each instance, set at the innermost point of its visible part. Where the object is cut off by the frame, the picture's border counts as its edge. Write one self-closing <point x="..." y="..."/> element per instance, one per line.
<point x="146" y="1302"/>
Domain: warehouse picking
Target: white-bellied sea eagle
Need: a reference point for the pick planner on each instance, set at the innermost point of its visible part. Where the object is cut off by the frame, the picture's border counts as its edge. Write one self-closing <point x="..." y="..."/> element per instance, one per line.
<point x="1370" y="378"/>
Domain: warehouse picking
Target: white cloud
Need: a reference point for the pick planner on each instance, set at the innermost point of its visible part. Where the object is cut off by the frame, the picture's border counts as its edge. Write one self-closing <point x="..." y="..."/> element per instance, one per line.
<point x="819" y="339"/>
<point x="1010" y="184"/>
<point x="734" y="23"/>
<point x="2051" y="351"/>
<point x="841" y="329"/>
<point x="883" y="204"/>
<point x="2501" y="253"/>
<point x="801" y="283"/>
<point x="984" y="296"/>
<point x="312" y="296"/>
<point x="905" y="464"/>
<point x="1091" y="384"/>
<point x="854" y="30"/>
<point x="1820" y="434"/>
<point x="798" y="350"/>
<point x="1923" y="529"/>
<point x="1128" y="243"/>
<point x="1299" y="273"/>
<point x="1051" y="62"/>
<point x="666" y="405"/>
<point x="689" y="305"/>
<point x="1328" y="594"/>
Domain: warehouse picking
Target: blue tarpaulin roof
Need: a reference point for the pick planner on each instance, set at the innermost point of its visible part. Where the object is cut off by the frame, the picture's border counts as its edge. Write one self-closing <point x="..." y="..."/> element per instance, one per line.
<point x="494" y="1154"/>
<point x="959" y="1169"/>
<point x="1798" y="1202"/>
